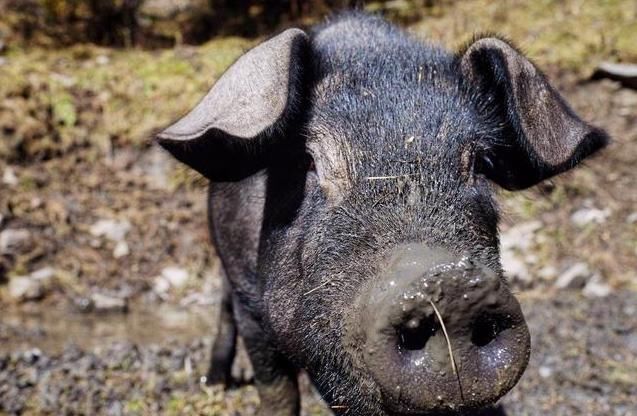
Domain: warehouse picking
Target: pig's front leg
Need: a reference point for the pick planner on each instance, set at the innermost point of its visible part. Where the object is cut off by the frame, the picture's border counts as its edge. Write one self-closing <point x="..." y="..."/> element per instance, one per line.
<point x="225" y="344"/>
<point x="275" y="378"/>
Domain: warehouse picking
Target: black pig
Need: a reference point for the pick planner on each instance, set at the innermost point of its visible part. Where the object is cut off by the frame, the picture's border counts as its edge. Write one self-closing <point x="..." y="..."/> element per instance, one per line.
<point x="351" y="205"/>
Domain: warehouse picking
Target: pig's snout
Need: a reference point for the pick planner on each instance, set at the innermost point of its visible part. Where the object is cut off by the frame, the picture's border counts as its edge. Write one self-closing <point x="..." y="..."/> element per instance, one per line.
<point x="440" y="333"/>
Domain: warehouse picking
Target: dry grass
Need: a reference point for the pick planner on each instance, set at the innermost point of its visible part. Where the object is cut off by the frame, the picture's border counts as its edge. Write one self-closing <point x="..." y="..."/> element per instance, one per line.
<point x="454" y="367"/>
<point x="569" y="34"/>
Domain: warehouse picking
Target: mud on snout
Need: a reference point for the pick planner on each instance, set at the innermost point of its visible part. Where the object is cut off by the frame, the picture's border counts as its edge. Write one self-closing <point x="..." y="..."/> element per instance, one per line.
<point x="437" y="333"/>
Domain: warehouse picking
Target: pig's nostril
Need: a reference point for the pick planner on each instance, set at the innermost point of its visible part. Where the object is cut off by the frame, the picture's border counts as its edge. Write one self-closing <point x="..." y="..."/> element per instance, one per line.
<point x="487" y="327"/>
<point x="414" y="334"/>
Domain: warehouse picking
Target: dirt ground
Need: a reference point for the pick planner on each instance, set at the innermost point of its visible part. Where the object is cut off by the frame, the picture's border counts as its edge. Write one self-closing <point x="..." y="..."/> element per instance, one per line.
<point x="108" y="285"/>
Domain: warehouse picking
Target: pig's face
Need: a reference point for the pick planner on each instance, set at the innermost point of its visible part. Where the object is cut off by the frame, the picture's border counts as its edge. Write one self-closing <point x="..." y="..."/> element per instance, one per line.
<point x="379" y="251"/>
<point x="394" y="215"/>
<point x="397" y="219"/>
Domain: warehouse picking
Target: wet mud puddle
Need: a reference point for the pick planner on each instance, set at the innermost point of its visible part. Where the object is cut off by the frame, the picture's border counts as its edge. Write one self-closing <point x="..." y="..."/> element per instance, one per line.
<point x="52" y="329"/>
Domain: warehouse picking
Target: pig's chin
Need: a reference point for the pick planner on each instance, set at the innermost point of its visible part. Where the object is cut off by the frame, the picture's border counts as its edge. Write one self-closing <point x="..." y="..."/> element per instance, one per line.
<point x="458" y="411"/>
<point x="462" y="410"/>
<point x="433" y="413"/>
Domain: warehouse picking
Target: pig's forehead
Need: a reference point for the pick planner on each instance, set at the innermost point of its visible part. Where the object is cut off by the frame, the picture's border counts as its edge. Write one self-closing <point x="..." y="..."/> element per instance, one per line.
<point x="393" y="112"/>
<point x="361" y="143"/>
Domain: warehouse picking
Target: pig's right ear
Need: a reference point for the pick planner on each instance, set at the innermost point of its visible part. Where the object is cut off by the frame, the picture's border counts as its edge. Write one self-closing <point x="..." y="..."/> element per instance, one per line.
<point x="227" y="136"/>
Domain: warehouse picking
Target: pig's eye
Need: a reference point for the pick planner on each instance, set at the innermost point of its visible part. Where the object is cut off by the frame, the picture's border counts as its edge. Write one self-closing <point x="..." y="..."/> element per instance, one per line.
<point x="483" y="163"/>
<point x="311" y="166"/>
<point x="308" y="164"/>
<point x="476" y="162"/>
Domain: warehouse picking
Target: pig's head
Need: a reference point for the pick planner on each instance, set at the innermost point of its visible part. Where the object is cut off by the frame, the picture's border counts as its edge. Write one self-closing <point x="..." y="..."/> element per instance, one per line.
<point x="379" y="258"/>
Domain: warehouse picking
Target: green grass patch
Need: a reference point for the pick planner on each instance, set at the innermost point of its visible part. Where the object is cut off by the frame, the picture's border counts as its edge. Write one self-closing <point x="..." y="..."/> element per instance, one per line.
<point x="90" y="96"/>
<point x="568" y="34"/>
<point x="59" y="99"/>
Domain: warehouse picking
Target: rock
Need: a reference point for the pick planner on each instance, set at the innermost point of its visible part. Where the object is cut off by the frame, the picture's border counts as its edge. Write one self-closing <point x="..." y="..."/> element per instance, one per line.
<point x="15" y="240"/>
<point x="115" y="409"/>
<point x="23" y="288"/>
<point x="31" y="287"/>
<point x="161" y="286"/>
<point x="545" y="371"/>
<point x="156" y="166"/>
<point x="515" y="243"/>
<point x="31" y="356"/>
<point x="585" y="216"/>
<point x="83" y="304"/>
<point x="531" y="258"/>
<point x="626" y="74"/>
<point x="548" y="273"/>
<point x="36" y="203"/>
<point x="199" y="299"/>
<point x="9" y="177"/>
<point x="44" y="274"/>
<point x="596" y="288"/>
<point x="102" y="60"/>
<point x="175" y="19"/>
<point x="107" y="303"/>
<point x="520" y="236"/>
<point x="175" y="276"/>
<point x="514" y="267"/>
<point x="631" y="342"/>
<point x="165" y="9"/>
<point x="170" y="277"/>
<point x="632" y="218"/>
<point x="575" y="277"/>
<point x="114" y="230"/>
<point x="121" y="249"/>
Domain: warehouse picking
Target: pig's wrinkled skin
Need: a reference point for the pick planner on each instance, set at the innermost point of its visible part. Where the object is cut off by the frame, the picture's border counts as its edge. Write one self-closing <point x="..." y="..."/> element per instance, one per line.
<point x="351" y="205"/>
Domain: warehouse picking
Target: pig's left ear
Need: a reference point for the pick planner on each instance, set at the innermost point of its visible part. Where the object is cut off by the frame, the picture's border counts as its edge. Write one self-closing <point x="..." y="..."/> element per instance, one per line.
<point x="231" y="132"/>
<point x="542" y="136"/>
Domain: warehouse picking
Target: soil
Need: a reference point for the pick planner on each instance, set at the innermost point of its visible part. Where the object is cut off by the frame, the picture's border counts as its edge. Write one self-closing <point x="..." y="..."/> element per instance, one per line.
<point x="58" y="181"/>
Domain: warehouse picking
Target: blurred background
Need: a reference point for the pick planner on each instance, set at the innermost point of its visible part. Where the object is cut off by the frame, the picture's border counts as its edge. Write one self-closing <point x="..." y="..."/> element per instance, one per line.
<point x="108" y="284"/>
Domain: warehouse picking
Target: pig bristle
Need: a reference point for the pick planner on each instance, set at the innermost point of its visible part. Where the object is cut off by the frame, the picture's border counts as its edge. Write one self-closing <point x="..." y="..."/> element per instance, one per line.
<point x="451" y="356"/>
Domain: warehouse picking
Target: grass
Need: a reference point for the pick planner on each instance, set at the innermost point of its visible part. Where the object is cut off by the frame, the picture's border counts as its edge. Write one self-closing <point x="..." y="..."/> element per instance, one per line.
<point x="570" y="34"/>
<point x="454" y="367"/>
<point x="59" y="99"/>
<point x="81" y="96"/>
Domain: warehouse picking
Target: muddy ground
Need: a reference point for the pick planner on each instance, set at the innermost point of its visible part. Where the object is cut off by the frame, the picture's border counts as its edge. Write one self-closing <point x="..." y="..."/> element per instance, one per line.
<point x="108" y="286"/>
